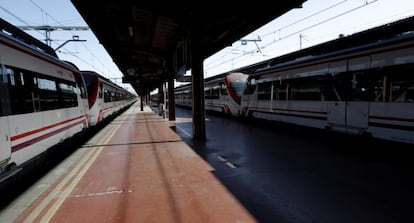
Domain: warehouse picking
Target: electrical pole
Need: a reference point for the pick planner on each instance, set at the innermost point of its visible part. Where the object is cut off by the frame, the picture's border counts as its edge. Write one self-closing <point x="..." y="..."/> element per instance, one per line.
<point x="244" y="42"/>
<point x="301" y="36"/>
<point x="49" y="29"/>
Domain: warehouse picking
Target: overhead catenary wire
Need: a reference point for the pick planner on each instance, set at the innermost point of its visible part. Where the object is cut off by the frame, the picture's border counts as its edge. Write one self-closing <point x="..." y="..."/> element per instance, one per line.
<point x="293" y="33"/>
<point x="94" y="61"/>
<point x="46" y="15"/>
<point x="293" y="23"/>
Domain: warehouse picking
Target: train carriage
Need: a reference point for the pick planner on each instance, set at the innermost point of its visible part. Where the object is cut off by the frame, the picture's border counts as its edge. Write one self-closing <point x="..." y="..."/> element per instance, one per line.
<point x="105" y="98"/>
<point x="222" y="94"/>
<point x="362" y="84"/>
<point x="43" y="100"/>
<point x="367" y="89"/>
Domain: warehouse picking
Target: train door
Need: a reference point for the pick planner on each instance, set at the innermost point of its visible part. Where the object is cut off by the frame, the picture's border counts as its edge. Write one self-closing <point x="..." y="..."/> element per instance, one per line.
<point x="336" y="113"/>
<point x="83" y="105"/>
<point x="5" y="150"/>
<point x="357" y="114"/>
<point x="350" y="114"/>
<point x="249" y="97"/>
<point x="350" y="109"/>
<point x="224" y="97"/>
<point x="100" y="95"/>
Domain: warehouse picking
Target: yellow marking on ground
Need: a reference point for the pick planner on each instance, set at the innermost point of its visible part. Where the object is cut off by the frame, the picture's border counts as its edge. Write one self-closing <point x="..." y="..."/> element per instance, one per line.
<point x="76" y="173"/>
<point x="49" y="214"/>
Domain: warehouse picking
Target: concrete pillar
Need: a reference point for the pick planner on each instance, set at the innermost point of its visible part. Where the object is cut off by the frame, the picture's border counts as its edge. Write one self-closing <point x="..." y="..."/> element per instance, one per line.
<point x="161" y="100"/>
<point x="142" y="102"/>
<point x="171" y="99"/>
<point x="197" y="72"/>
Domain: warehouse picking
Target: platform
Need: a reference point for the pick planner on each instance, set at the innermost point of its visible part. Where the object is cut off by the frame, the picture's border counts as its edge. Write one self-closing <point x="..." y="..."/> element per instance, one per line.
<point x="136" y="169"/>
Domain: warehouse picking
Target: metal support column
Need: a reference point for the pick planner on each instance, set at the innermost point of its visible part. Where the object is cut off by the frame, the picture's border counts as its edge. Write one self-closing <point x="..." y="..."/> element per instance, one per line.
<point x="171" y="99"/>
<point x="197" y="73"/>
<point x="161" y="99"/>
<point x="142" y="103"/>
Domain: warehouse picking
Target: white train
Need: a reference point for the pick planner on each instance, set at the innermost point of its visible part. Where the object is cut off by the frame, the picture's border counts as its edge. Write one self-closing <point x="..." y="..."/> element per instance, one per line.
<point x="43" y="100"/>
<point x="364" y="89"/>
<point x="222" y="94"/>
<point x="105" y="98"/>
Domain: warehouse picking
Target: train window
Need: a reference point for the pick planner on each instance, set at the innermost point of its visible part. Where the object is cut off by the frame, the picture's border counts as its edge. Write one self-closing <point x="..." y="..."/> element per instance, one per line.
<point x="306" y="92"/>
<point x="4" y="93"/>
<point x="306" y="89"/>
<point x="89" y="81"/>
<point x="46" y="84"/>
<point x="119" y="96"/>
<point x="68" y="97"/>
<point x="48" y="96"/>
<point x="113" y="96"/>
<point x="21" y="78"/>
<point x="328" y="90"/>
<point x="223" y="90"/>
<point x="20" y="84"/>
<point x="264" y="90"/>
<point x="250" y="87"/>
<point x="11" y="76"/>
<point x="275" y="92"/>
<point x="342" y="86"/>
<point x="280" y="90"/>
<point x="207" y="94"/>
<point x="402" y="91"/>
<point x="30" y="92"/>
<point x="188" y="95"/>
<point x="116" y="96"/>
<point x="100" y="91"/>
<point x="107" y="95"/>
<point x="215" y="94"/>
<point x="81" y="85"/>
<point x="400" y="84"/>
<point x="67" y="88"/>
<point x="2" y="113"/>
<point x="365" y="85"/>
<point x="409" y="93"/>
<point x="238" y="84"/>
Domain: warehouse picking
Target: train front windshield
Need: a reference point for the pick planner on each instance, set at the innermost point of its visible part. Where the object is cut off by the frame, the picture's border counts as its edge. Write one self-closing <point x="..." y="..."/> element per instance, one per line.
<point x="89" y="81"/>
<point x="238" y="83"/>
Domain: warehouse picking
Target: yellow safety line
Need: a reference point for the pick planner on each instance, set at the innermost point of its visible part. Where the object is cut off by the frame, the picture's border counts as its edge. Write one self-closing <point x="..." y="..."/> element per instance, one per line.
<point x="86" y="162"/>
<point x="49" y="214"/>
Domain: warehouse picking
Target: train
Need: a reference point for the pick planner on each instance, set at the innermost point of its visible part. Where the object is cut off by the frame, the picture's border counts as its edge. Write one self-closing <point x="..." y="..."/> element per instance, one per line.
<point x="222" y="93"/>
<point x="105" y="98"/>
<point x="364" y="89"/>
<point x="44" y="100"/>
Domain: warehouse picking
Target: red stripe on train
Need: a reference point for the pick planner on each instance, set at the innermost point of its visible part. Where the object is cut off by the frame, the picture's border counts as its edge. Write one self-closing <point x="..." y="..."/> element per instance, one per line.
<point x="42" y="137"/>
<point x="16" y="137"/>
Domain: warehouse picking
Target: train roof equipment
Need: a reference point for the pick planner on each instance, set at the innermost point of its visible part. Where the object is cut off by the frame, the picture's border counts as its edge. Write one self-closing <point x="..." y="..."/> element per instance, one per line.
<point x="18" y="34"/>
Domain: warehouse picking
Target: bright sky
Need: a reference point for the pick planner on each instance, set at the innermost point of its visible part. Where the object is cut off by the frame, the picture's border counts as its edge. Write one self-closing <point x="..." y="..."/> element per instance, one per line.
<point x="316" y="22"/>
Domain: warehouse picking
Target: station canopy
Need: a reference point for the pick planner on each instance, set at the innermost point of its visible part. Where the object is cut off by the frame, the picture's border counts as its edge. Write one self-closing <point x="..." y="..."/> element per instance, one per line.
<point x="151" y="40"/>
